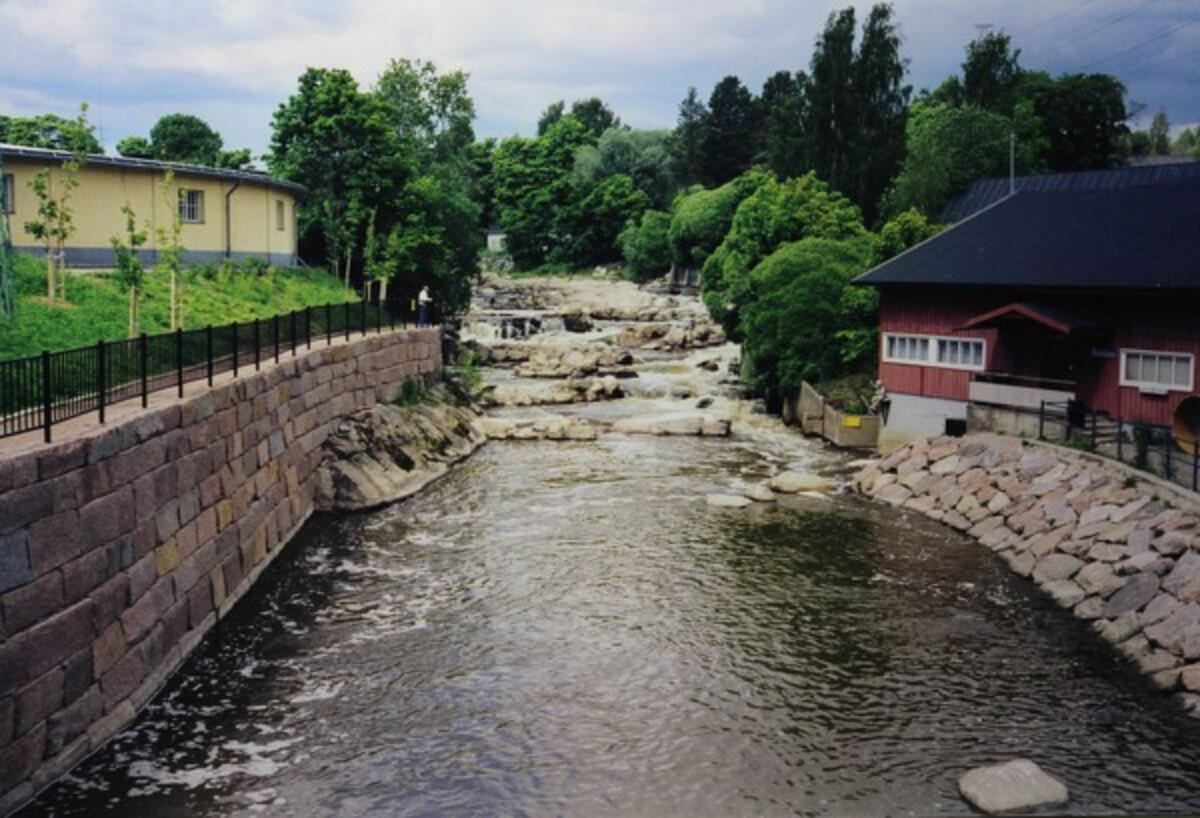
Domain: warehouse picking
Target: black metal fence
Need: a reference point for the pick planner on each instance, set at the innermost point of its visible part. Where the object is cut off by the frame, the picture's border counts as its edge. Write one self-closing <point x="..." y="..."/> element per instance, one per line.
<point x="1144" y="446"/>
<point x="38" y="392"/>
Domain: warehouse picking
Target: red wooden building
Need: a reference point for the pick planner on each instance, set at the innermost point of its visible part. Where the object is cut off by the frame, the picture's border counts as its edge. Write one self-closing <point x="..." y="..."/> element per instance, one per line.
<point x="1081" y="295"/>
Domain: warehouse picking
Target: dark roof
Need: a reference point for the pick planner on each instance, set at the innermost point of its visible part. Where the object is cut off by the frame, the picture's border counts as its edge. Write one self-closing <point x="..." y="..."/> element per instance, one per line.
<point x="256" y="176"/>
<point x="984" y="192"/>
<point x="1142" y="238"/>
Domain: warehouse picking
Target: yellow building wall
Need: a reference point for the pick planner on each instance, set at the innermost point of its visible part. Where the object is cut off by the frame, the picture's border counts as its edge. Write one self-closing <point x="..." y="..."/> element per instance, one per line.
<point x="103" y="190"/>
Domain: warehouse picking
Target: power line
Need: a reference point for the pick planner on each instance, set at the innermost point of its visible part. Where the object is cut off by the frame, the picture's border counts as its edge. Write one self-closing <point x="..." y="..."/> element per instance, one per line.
<point x="1166" y="33"/>
<point x="1049" y="20"/>
<point x="1111" y="21"/>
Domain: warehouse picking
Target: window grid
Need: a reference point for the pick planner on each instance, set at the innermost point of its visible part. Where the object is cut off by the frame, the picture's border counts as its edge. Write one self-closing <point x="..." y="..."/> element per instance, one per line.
<point x="191" y="206"/>
<point x="927" y="350"/>
<point x="1157" y="370"/>
<point x="279" y="214"/>
<point x="8" y="195"/>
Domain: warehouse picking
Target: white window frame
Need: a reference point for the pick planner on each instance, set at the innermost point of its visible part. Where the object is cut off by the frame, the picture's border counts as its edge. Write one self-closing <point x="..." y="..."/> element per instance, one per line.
<point x="188" y="213"/>
<point x="1159" y="387"/>
<point x="932" y="351"/>
<point x="8" y="194"/>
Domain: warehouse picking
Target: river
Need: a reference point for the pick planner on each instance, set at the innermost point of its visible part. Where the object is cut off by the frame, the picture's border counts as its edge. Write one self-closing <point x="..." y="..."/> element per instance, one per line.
<point x="569" y="629"/>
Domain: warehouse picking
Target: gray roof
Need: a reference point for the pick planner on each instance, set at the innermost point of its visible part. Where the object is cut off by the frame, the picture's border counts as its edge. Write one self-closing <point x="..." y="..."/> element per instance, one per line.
<point x="256" y="176"/>
<point x="984" y="192"/>
<point x="1140" y="238"/>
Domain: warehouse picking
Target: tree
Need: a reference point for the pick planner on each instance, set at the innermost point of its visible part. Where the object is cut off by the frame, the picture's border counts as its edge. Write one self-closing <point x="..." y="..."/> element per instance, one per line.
<point x="1187" y="143"/>
<point x="644" y="156"/>
<point x="700" y="218"/>
<point x="775" y="213"/>
<point x="907" y="230"/>
<point x="594" y="115"/>
<point x="138" y="147"/>
<point x="881" y="100"/>
<point x="169" y="249"/>
<point x="806" y="320"/>
<point x="129" y="266"/>
<point x="339" y="143"/>
<point x="235" y="159"/>
<point x="553" y="113"/>
<point x="688" y="140"/>
<point x="731" y="135"/>
<point x="591" y="228"/>
<point x="783" y="101"/>
<point x="185" y="138"/>
<point x="831" y="114"/>
<point x="1160" y="134"/>
<point x="948" y="147"/>
<point x="430" y="110"/>
<point x="1083" y="116"/>
<point x="991" y="73"/>
<point x="50" y="131"/>
<point x="646" y="247"/>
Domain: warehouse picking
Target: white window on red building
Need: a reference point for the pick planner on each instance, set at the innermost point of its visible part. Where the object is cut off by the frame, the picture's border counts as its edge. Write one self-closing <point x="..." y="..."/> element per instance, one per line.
<point x="932" y="350"/>
<point x="1153" y="371"/>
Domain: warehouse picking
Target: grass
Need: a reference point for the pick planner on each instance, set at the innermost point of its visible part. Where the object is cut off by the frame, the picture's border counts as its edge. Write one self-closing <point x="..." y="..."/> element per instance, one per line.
<point x="849" y="393"/>
<point x="98" y="306"/>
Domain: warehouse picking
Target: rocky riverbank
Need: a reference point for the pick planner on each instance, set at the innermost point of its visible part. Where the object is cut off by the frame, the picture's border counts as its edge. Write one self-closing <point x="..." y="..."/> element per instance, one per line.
<point x="390" y="452"/>
<point x="1115" y="547"/>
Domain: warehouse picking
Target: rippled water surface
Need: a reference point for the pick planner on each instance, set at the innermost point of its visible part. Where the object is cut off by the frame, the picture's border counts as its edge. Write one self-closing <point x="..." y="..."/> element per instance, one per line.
<point x="569" y="629"/>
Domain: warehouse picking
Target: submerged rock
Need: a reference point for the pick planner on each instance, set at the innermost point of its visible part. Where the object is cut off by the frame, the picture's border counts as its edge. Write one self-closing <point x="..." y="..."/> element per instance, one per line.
<point x="794" y="482"/>
<point x="727" y="500"/>
<point x="584" y="390"/>
<point x="1018" y="784"/>
<point x="759" y="493"/>
<point x="388" y="452"/>
<point x="694" y="424"/>
<point x="548" y="428"/>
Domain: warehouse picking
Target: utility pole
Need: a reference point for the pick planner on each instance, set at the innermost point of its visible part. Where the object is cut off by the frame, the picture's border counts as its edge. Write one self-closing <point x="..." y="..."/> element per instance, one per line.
<point x="1012" y="162"/>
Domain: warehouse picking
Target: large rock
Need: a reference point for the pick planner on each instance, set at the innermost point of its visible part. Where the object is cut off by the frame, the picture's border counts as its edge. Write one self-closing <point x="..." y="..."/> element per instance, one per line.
<point x="794" y="482"/>
<point x="1133" y="597"/>
<point x="689" y="424"/>
<point x="1056" y="567"/>
<point x="727" y="500"/>
<point x="1014" y="785"/>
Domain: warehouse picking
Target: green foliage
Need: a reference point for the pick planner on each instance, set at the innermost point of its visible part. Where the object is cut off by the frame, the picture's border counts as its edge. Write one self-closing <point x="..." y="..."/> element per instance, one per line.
<point x="51" y="131"/>
<point x="646" y="246"/>
<point x="595" y="115"/>
<point x="136" y="147"/>
<point x="592" y="226"/>
<point x="991" y="73"/>
<point x="430" y="110"/>
<point x="129" y="270"/>
<point x="950" y="146"/>
<point x="553" y="113"/>
<point x="413" y="392"/>
<point x="731" y="135"/>
<point x="907" y="230"/>
<point x="687" y="140"/>
<point x="775" y="213"/>
<point x="534" y="190"/>
<point x="784" y="107"/>
<point x="806" y="321"/>
<point x="97" y="304"/>
<point x="185" y="138"/>
<point x="235" y="159"/>
<point x="701" y="218"/>
<point x="463" y="378"/>
<point x="1082" y="117"/>
<point x="643" y="156"/>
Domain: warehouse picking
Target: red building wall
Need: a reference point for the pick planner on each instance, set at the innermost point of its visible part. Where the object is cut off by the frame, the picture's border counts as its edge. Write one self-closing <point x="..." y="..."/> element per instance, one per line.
<point x="1167" y="323"/>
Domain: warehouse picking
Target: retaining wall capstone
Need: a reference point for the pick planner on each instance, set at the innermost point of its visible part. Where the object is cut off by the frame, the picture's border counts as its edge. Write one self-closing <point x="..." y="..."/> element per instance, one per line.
<point x="120" y="548"/>
<point x="1116" y="547"/>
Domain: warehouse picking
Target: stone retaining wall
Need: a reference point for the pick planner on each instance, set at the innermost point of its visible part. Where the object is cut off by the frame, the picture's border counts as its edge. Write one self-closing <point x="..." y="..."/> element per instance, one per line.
<point x="1117" y="547"/>
<point x="120" y="549"/>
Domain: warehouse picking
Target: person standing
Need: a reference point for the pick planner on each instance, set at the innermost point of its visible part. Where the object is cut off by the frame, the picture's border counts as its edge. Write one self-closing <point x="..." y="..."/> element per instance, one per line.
<point x="423" y="301"/>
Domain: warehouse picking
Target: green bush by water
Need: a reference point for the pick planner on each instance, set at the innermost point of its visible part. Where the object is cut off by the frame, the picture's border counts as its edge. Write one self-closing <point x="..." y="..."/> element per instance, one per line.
<point x="98" y="307"/>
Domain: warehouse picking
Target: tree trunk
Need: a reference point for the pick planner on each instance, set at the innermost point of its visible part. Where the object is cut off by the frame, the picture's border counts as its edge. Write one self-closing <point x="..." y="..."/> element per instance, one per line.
<point x="133" y="312"/>
<point x="349" y="256"/>
<point x="50" y="288"/>
<point x="173" y="324"/>
<point x="383" y="292"/>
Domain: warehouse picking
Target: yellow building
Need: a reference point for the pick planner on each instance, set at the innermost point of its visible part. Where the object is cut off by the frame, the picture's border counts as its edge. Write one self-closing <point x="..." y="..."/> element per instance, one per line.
<point x="226" y="213"/>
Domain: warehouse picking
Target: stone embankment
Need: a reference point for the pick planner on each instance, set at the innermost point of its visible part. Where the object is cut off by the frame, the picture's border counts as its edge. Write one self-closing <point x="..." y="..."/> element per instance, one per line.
<point x="121" y="547"/>
<point x="1114" y="546"/>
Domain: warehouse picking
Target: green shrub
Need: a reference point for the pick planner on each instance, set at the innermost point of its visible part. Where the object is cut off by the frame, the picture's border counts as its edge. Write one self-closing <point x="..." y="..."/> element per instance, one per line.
<point x="700" y="217"/>
<point x="646" y="247"/>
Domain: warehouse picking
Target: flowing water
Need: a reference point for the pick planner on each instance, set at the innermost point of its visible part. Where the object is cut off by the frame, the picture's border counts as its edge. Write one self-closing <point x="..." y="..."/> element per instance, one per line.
<point x="568" y="629"/>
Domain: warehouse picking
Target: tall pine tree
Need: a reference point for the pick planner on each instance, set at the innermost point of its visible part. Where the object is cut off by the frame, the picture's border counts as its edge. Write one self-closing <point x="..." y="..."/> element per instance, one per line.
<point x="784" y="149"/>
<point x="881" y="99"/>
<point x="831" y="115"/>
<point x="687" y="141"/>
<point x="732" y="137"/>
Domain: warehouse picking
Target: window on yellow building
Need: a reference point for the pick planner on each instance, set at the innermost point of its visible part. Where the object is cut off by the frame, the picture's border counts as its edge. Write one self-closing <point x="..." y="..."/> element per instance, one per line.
<point x="191" y="206"/>
<point x="8" y="193"/>
<point x="279" y="214"/>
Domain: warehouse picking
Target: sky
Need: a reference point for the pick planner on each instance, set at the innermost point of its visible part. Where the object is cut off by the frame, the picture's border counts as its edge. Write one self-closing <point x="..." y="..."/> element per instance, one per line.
<point x="232" y="62"/>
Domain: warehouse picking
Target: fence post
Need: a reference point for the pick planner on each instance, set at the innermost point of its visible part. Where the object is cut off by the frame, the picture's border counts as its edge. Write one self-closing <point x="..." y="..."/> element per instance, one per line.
<point x="101" y="379"/>
<point x="308" y="326"/>
<point x="275" y="333"/>
<point x="179" y="359"/>
<point x="1042" y="421"/>
<point x="379" y="319"/>
<point x="257" y="344"/>
<point x="234" y="328"/>
<point x="362" y="314"/>
<point x="47" y="397"/>
<point x="1195" y="463"/>
<point x="208" y="344"/>
<point x="347" y="320"/>
<point x="144" y="355"/>
<point x="391" y="319"/>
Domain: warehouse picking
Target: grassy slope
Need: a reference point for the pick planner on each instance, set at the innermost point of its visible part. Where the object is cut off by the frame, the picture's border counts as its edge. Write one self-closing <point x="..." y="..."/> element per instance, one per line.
<point x="99" y="306"/>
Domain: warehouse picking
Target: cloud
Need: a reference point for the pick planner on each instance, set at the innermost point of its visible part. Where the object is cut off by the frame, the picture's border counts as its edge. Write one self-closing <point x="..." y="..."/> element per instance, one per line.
<point x="234" y="61"/>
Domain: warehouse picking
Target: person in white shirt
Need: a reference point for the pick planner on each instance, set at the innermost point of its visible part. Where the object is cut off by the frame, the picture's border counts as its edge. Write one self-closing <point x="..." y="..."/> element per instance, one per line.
<point x="423" y="301"/>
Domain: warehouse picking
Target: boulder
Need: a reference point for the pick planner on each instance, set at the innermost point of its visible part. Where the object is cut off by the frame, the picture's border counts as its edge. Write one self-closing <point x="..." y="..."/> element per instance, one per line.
<point x="794" y="482"/>
<point x="685" y="424"/>
<point x="759" y="493"/>
<point x="727" y="500"/>
<point x="1013" y="785"/>
<point x="1137" y="592"/>
<point x="1056" y="567"/>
